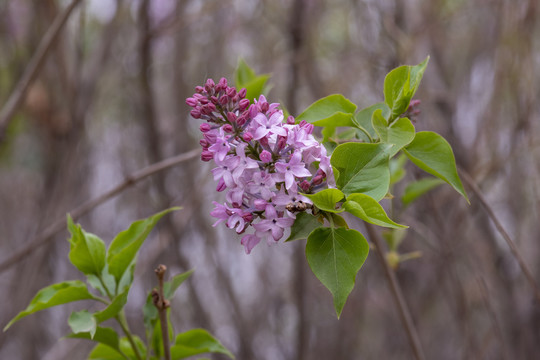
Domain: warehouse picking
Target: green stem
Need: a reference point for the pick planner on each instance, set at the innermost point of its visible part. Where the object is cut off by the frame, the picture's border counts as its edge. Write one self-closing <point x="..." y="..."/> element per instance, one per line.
<point x="121" y="318"/>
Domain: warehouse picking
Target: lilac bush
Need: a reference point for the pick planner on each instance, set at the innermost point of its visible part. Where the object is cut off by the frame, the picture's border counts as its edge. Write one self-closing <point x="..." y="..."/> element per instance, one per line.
<point x="263" y="162"/>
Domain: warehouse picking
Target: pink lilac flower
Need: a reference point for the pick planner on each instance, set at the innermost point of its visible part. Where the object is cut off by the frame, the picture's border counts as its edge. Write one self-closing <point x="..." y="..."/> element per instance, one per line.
<point x="263" y="163"/>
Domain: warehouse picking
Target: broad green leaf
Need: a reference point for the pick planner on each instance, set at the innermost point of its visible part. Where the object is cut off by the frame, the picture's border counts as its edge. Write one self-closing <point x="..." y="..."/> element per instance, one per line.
<point x="339" y="221"/>
<point x="105" y="352"/>
<point x="363" y="168"/>
<point x="399" y="134"/>
<point x="124" y="247"/>
<point x="108" y="281"/>
<point x="327" y="199"/>
<point x="364" y="116"/>
<point x="418" y="188"/>
<point x="397" y="168"/>
<point x="243" y="73"/>
<point x="170" y="287"/>
<point x="367" y="209"/>
<point x="197" y="341"/>
<point x="114" y="308"/>
<point x="303" y="226"/>
<point x="400" y="86"/>
<point x="87" y="251"/>
<point x="432" y="153"/>
<point x="83" y="322"/>
<point x="245" y="77"/>
<point x="103" y="335"/>
<point x="331" y="111"/>
<point x="127" y="279"/>
<point x="335" y="256"/>
<point x="53" y="295"/>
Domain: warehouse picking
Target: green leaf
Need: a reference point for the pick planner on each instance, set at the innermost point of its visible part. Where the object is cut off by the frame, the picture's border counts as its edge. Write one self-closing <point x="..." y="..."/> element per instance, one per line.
<point x="197" y="341"/>
<point x="87" y="251"/>
<point x="170" y="287"/>
<point x="332" y="111"/>
<point x="418" y="188"/>
<point x="53" y="295"/>
<point x="108" y="280"/>
<point x="397" y="168"/>
<point x="83" y="322"/>
<point x="338" y="221"/>
<point x="327" y="199"/>
<point x="335" y="256"/>
<point x="105" y="352"/>
<point x="245" y="77"/>
<point x="399" y="134"/>
<point x="124" y="247"/>
<point x="432" y="153"/>
<point x="303" y="226"/>
<point x="368" y="209"/>
<point x="103" y="335"/>
<point x="364" y="116"/>
<point x="363" y="168"/>
<point x="400" y="86"/>
<point x="117" y="304"/>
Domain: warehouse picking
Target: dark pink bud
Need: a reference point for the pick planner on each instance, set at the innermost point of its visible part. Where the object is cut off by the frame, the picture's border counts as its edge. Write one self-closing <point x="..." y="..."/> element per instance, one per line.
<point x="228" y="128"/>
<point x="199" y="89"/>
<point x="231" y="92"/>
<point x="253" y="111"/>
<point x="196" y="113"/>
<point x="248" y="217"/>
<point x="304" y="185"/>
<point x="231" y="117"/>
<point x="206" y="155"/>
<point x="243" y="104"/>
<point x="203" y="101"/>
<point x="290" y="120"/>
<point x="204" y="143"/>
<point x="223" y="83"/>
<point x="265" y="156"/>
<point x="247" y="136"/>
<point x="241" y="119"/>
<point x="224" y="100"/>
<point x="307" y="126"/>
<point x="317" y="180"/>
<point x="264" y="141"/>
<point x="280" y="144"/>
<point x="206" y="110"/>
<point x="214" y="99"/>
<point x="210" y="137"/>
<point x="221" y="185"/>
<point x="204" y="127"/>
<point x="265" y="106"/>
<point x="211" y="107"/>
<point x="191" y="102"/>
<point x="242" y="93"/>
<point x="209" y="86"/>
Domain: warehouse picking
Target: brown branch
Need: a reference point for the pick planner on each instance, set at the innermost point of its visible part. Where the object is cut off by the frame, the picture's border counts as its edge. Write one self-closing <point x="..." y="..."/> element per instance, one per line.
<point x="500" y="228"/>
<point x="403" y="309"/>
<point x="58" y="225"/>
<point x="162" y="304"/>
<point x="33" y="67"/>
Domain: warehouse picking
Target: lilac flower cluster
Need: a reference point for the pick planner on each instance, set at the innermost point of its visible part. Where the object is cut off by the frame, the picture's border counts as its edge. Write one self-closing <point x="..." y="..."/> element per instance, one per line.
<point x="263" y="162"/>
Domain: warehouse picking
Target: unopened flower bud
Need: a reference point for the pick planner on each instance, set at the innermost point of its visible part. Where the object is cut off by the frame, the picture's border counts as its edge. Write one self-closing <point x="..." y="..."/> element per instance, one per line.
<point x="231" y="117"/>
<point x="242" y="93"/>
<point x="203" y="101"/>
<point x="207" y="156"/>
<point x="214" y="99"/>
<point x="304" y="185"/>
<point x="231" y="92"/>
<point x="307" y="126"/>
<point x="243" y="104"/>
<point x="196" y="113"/>
<point x="224" y="100"/>
<point x="247" y="136"/>
<point x="281" y="143"/>
<point x="191" y="102"/>
<point x="264" y="107"/>
<point x="209" y="86"/>
<point x="223" y="83"/>
<point x="204" y="143"/>
<point x="210" y="137"/>
<point x="248" y="217"/>
<point x="228" y="128"/>
<point x="204" y="127"/>
<point x="265" y="156"/>
<point x="199" y="89"/>
<point x="317" y="180"/>
<point x="290" y="120"/>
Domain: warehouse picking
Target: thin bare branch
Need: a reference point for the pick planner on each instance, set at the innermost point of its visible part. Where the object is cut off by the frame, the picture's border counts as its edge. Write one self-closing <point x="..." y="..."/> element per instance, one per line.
<point x="58" y="225"/>
<point x="403" y="309"/>
<point x="500" y="228"/>
<point x="33" y="67"/>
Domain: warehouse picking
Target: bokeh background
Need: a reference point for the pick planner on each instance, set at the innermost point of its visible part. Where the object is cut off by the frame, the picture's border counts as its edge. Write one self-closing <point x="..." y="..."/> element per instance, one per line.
<point x="109" y="100"/>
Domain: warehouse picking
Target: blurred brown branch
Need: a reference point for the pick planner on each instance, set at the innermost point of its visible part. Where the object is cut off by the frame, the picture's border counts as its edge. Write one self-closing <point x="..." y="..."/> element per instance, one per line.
<point x="33" y="67"/>
<point x="58" y="225"/>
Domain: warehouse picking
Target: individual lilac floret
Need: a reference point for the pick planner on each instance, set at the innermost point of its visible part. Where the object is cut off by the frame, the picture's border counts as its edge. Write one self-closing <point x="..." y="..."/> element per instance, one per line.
<point x="263" y="163"/>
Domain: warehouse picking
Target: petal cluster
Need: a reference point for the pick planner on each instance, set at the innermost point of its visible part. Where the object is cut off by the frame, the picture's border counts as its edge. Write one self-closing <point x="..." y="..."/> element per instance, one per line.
<point x="263" y="161"/>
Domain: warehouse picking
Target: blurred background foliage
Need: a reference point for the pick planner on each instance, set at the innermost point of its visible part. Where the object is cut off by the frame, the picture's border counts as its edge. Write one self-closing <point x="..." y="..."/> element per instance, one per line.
<point x="109" y="100"/>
